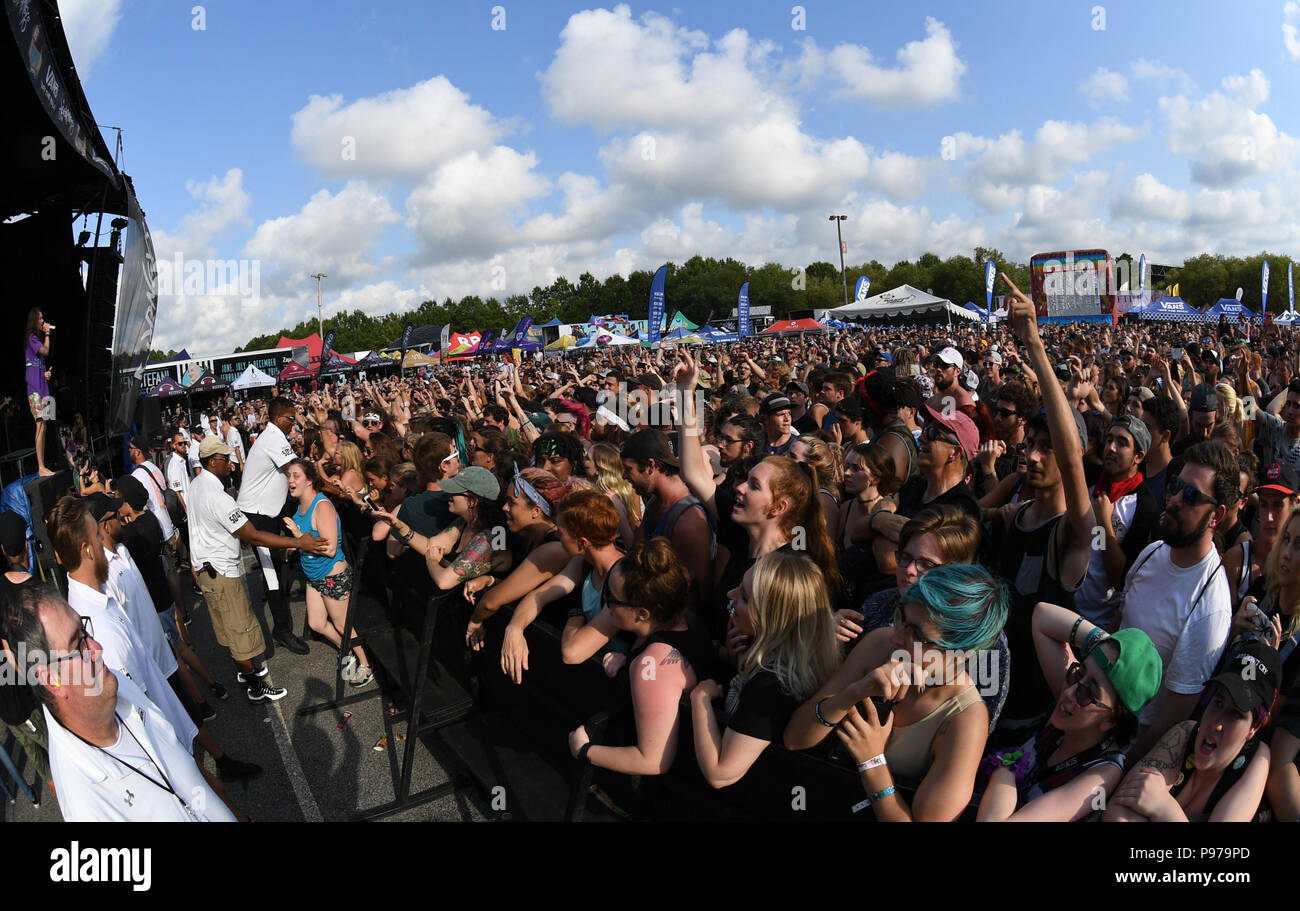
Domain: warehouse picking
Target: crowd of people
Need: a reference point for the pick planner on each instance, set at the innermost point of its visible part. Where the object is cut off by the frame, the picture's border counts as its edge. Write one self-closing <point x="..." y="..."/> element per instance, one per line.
<point x="1019" y="572"/>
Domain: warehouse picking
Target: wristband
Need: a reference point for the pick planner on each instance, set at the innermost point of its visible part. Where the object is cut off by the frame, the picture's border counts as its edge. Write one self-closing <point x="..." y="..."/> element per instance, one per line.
<point x="872" y="763"/>
<point x="1074" y="630"/>
<point x="879" y="795"/>
<point x="818" y="709"/>
<point x="582" y="753"/>
<point x="1087" y="643"/>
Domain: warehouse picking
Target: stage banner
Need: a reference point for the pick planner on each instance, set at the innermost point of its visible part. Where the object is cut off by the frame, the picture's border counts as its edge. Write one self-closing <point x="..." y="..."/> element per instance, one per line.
<point x="742" y="311"/>
<point x="657" y="296"/>
<point x="137" y="309"/>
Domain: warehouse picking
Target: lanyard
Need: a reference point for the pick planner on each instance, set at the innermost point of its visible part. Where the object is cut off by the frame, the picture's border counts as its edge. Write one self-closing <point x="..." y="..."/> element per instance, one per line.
<point x="164" y="785"/>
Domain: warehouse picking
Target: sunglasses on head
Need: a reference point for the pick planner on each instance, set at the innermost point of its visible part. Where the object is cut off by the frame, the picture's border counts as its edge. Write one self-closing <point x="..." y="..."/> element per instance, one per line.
<point x="1191" y="496"/>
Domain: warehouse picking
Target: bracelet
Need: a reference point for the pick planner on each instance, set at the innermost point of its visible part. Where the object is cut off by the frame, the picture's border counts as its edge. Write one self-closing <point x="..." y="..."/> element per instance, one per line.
<point x="1074" y="630"/>
<point x="872" y="763"/>
<point x="818" y="709"/>
<point x="879" y="795"/>
<point x="582" y="753"/>
<point x="1087" y="643"/>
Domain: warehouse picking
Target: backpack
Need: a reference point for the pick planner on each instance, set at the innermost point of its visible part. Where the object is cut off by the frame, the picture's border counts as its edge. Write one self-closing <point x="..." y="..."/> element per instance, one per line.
<point x="175" y="511"/>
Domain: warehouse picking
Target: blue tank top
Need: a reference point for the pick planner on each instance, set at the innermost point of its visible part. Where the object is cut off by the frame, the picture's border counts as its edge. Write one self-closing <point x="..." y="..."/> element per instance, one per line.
<point x="317" y="566"/>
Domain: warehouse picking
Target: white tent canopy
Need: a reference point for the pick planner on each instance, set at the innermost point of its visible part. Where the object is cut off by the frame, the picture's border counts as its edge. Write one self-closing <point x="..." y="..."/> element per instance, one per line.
<point x="614" y="339"/>
<point x="252" y="378"/>
<point x="902" y="301"/>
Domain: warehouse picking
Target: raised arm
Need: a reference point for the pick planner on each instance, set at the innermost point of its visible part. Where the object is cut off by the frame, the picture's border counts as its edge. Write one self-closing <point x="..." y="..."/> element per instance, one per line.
<point x="695" y="466"/>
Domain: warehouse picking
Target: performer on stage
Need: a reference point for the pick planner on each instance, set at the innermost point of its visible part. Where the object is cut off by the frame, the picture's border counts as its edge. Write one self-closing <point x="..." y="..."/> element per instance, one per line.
<point x="38" y="387"/>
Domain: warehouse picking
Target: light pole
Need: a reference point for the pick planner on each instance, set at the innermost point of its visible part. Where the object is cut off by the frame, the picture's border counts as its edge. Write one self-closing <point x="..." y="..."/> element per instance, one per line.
<point x="840" y="237"/>
<point x="319" y="331"/>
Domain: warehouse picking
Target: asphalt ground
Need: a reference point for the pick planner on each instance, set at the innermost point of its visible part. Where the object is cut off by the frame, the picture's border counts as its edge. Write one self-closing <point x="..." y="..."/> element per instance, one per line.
<point x="315" y="767"/>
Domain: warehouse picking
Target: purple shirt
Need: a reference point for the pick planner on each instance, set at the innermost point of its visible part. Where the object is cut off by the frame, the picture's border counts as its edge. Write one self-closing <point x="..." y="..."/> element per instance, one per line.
<point x="36" y="383"/>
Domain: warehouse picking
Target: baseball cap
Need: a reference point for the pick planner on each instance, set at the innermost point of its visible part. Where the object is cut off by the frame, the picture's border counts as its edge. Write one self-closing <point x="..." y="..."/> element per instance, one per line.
<point x="478" y="481"/>
<point x="962" y="426"/>
<point x="1278" y="476"/>
<point x="1135" y="673"/>
<point x="101" y="504"/>
<point x="648" y="444"/>
<point x="849" y="408"/>
<point x="13" y="532"/>
<point x="773" y="403"/>
<point x="951" y="355"/>
<point x="1205" y="398"/>
<point x="797" y="386"/>
<point x="649" y="379"/>
<point x="994" y="357"/>
<point x="1136" y="428"/>
<point x="140" y="443"/>
<point x="132" y="491"/>
<point x="883" y="355"/>
<point x="1144" y="393"/>
<point x="1250" y="675"/>
<point x="211" y="446"/>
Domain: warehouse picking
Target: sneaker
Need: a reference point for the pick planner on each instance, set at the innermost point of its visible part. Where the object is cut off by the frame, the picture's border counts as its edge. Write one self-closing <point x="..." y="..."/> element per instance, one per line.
<point x="362" y="675"/>
<point x="206" y="712"/>
<point x="242" y="678"/>
<point x="219" y="691"/>
<point x="259" y="691"/>
<point x="230" y="769"/>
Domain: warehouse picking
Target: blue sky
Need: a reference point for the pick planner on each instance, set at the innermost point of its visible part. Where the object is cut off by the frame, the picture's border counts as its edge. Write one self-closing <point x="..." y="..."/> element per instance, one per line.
<point x="411" y="150"/>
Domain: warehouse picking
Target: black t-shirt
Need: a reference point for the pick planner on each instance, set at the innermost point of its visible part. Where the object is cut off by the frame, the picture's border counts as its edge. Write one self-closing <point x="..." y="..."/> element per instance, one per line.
<point x="1182" y="445"/>
<point x="426" y="512"/>
<point x="764" y="709"/>
<point x="143" y="538"/>
<point x="911" y="499"/>
<point x="806" y="424"/>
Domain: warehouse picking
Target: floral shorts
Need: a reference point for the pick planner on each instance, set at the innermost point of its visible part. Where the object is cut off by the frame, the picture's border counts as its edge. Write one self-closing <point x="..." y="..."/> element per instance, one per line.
<point x="337" y="586"/>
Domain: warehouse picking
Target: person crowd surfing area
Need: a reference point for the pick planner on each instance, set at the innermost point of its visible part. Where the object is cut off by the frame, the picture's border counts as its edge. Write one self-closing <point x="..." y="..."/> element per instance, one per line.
<point x="1013" y="572"/>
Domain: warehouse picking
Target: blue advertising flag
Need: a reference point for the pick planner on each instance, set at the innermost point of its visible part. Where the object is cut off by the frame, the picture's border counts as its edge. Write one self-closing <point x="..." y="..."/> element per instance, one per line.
<point x="1290" y="286"/>
<point x="742" y="311"/>
<point x="1263" y="279"/>
<point x="657" y="304"/>
<point x="520" y="333"/>
<point x="990" y="273"/>
<point x="862" y="289"/>
<point x="325" y="348"/>
<point x="1142" y="274"/>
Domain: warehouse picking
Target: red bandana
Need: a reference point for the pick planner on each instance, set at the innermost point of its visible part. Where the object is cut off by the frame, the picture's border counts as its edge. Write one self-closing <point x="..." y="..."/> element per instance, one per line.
<point x="1116" y="490"/>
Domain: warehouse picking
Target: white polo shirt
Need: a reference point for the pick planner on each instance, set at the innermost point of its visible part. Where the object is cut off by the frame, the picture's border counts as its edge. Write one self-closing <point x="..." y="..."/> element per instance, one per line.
<point x="151" y="476"/>
<point x="264" y="487"/>
<point x="125" y="654"/>
<point x="128" y="588"/>
<point x="99" y="785"/>
<point x="235" y="440"/>
<point x="214" y="519"/>
<point x="178" y="477"/>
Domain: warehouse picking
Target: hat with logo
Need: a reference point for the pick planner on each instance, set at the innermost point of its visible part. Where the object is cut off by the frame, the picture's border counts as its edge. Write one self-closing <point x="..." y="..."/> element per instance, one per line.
<point x="1136" y="671"/>
<point x="773" y="403"/>
<point x="1278" y="476"/>
<point x="1205" y="398"/>
<point x="648" y="444"/>
<point x="1251" y="675"/>
<point x="478" y="481"/>
<point x="211" y="446"/>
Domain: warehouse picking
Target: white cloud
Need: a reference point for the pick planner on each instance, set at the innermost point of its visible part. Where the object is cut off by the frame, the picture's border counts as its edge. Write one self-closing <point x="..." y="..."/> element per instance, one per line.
<point x="89" y="25"/>
<point x="1163" y="74"/>
<point x="332" y="233"/>
<point x="1104" y="87"/>
<point x="1290" y="35"/>
<point x="929" y="71"/>
<point x="1223" y="135"/>
<point x="1146" y="198"/>
<point x="402" y="133"/>
<point x="223" y="204"/>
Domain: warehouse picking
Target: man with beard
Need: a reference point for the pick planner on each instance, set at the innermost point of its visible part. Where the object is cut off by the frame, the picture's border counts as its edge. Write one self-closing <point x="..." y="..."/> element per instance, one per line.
<point x="1176" y="591"/>
<point x="948" y="366"/>
<point x="1042" y="544"/>
<point x="1016" y="403"/>
<point x="1126" y="512"/>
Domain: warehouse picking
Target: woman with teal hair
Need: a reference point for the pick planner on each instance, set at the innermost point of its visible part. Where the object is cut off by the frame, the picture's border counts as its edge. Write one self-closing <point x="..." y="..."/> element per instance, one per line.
<point x="906" y="700"/>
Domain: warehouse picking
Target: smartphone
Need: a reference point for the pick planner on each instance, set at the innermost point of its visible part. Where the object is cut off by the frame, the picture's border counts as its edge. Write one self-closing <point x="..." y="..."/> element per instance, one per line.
<point x="883" y="708"/>
<point x="1178" y="354"/>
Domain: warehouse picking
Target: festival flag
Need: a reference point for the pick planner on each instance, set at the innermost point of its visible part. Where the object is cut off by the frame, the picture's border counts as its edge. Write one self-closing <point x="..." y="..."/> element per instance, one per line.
<point x="325" y="348"/>
<point x="990" y="273"/>
<point x="862" y="289"/>
<point x="1142" y="274"/>
<point x="657" y="304"/>
<point x="1290" y="286"/>
<point x="742" y="311"/>
<point x="1263" y="273"/>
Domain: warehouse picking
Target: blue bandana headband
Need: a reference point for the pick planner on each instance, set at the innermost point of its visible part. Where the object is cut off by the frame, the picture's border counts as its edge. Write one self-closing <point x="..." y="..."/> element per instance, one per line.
<point x="522" y="487"/>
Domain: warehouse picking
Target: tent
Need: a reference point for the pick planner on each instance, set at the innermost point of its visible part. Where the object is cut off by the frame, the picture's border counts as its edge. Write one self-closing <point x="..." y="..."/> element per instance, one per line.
<point x="208" y="383"/>
<point x="902" y="301"/>
<point x="416" y="359"/>
<point x="165" y="389"/>
<point x="336" y="363"/>
<point x="1172" y="309"/>
<point x="374" y="361"/>
<point x="794" y="325"/>
<point x="182" y="355"/>
<point x="553" y="321"/>
<point x="252" y="378"/>
<point x="1231" y="308"/>
<point x="312" y="343"/>
<point x="295" y="371"/>
<point x="680" y="322"/>
<point x="601" y="339"/>
<point x="715" y="336"/>
<point x="561" y="343"/>
<point x="1286" y="319"/>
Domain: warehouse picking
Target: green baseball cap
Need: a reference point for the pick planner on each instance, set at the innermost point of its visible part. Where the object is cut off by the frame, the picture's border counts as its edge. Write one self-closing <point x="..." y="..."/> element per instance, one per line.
<point x="1135" y="674"/>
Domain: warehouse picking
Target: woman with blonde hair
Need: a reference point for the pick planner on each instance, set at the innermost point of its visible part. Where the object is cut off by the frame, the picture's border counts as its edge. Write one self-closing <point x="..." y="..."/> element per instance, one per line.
<point x="609" y="480"/>
<point x="830" y="474"/>
<point x="782" y="604"/>
<point x="351" y="466"/>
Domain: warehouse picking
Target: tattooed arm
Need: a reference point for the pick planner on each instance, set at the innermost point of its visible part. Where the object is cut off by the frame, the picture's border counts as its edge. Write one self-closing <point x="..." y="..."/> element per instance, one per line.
<point x="1164" y="760"/>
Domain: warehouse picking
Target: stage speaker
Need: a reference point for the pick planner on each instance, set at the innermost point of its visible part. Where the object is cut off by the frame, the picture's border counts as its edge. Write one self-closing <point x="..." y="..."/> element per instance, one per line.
<point x="150" y="419"/>
<point x="42" y="495"/>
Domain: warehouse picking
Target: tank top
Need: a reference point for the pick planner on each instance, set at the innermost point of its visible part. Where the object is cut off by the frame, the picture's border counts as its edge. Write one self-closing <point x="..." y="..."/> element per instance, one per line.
<point x="899" y="429"/>
<point x="317" y="566"/>
<point x="1231" y="775"/>
<point x="908" y="750"/>
<point x="694" y="644"/>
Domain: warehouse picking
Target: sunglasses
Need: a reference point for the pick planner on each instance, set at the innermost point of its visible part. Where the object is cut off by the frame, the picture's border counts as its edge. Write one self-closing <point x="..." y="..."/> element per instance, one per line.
<point x="1191" y="496"/>
<point x="1084" y="694"/>
<point x="934" y="432"/>
<point x="1006" y="412"/>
